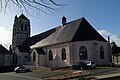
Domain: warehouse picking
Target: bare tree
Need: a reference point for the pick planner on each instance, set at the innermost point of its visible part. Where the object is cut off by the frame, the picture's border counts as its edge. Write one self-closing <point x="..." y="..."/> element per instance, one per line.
<point x="45" y="6"/>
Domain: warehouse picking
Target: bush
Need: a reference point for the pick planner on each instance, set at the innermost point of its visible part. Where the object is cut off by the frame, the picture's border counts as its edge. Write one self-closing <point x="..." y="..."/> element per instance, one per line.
<point x="82" y="78"/>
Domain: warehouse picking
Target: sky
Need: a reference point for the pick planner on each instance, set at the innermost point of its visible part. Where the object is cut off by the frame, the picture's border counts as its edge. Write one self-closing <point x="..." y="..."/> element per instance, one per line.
<point x="103" y="15"/>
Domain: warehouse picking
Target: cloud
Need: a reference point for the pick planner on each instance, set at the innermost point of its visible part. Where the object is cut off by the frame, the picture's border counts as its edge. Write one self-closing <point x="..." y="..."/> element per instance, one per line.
<point x="113" y="37"/>
<point x="5" y="37"/>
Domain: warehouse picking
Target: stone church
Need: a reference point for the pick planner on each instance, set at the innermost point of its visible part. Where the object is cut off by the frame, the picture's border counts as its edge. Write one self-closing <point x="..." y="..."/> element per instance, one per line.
<point x="61" y="46"/>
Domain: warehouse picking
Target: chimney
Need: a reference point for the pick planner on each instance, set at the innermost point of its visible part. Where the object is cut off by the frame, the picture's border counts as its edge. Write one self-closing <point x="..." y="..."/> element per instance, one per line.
<point x="63" y="20"/>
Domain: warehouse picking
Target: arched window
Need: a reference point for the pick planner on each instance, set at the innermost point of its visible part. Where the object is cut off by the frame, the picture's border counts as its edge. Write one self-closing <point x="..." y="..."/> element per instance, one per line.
<point x="25" y="27"/>
<point x="34" y="56"/>
<point x="50" y="55"/>
<point x="63" y="54"/>
<point x="83" y="53"/>
<point x="21" y="27"/>
<point x="101" y="52"/>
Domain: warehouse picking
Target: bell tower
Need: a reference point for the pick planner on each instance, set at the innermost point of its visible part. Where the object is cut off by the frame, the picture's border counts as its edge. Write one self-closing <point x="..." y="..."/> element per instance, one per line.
<point x="21" y="30"/>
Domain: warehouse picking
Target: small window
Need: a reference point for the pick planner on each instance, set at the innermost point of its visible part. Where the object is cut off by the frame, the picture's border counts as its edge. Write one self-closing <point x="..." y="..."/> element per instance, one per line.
<point x="101" y="52"/>
<point x="63" y="54"/>
<point x="8" y="57"/>
<point x="25" y="27"/>
<point x="21" y="27"/>
<point x="26" y="58"/>
<point x="50" y="55"/>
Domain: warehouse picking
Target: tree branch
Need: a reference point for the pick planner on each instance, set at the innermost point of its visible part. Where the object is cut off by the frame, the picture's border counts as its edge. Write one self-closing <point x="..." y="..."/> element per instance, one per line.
<point x="50" y="5"/>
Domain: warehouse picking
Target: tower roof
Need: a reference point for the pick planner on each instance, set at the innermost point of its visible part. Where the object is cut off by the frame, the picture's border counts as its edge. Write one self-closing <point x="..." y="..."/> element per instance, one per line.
<point x="22" y="16"/>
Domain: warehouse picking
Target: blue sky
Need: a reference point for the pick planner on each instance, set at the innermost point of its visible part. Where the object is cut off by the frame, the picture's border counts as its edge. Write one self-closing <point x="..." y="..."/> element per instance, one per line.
<point x="103" y="15"/>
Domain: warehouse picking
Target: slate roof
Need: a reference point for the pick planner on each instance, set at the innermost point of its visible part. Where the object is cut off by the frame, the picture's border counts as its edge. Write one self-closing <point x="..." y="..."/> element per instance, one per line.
<point x="86" y="32"/>
<point x="34" y="39"/>
<point x="4" y="50"/>
<point x="77" y="30"/>
<point x="115" y="49"/>
<point x="22" y="16"/>
<point x="24" y="48"/>
<point x="40" y="51"/>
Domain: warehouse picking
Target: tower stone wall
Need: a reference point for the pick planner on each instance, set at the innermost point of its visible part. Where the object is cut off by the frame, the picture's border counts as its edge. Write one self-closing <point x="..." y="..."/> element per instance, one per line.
<point x="21" y="30"/>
